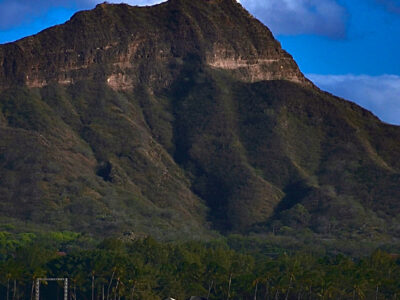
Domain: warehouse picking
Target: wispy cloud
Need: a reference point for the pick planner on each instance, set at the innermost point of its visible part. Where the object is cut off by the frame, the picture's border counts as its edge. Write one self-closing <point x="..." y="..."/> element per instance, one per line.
<point x="13" y="12"/>
<point x="322" y="17"/>
<point x="131" y="2"/>
<point x="391" y="5"/>
<point x="292" y="17"/>
<point x="379" y="94"/>
<point x="16" y="12"/>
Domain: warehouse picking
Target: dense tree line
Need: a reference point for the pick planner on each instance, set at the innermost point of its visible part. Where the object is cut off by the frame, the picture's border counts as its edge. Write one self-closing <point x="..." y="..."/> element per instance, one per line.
<point x="147" y="269"/>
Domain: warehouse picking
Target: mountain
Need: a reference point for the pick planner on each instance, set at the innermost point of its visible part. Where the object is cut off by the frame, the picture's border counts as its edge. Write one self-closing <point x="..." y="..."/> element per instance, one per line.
<point x="185" y="119"/>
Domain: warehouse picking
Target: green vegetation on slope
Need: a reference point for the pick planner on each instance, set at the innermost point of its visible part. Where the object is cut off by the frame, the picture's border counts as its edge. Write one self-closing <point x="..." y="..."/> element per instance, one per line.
<point x="155" y="121"/>
<point x="261" y="157"/>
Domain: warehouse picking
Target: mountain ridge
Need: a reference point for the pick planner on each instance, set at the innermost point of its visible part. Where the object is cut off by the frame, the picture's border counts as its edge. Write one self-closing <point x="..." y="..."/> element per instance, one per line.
<point x="118" y="53"/>
<point x="181" y="119"/>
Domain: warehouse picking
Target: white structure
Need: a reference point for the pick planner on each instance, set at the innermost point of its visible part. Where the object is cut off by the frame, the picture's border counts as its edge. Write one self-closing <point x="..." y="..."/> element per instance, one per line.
<point x="37" y="286"/>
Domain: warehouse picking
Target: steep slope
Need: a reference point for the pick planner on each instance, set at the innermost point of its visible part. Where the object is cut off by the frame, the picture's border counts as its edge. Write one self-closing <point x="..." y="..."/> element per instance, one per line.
<point x="180" y="118"/>
<point x="125" y="46"/>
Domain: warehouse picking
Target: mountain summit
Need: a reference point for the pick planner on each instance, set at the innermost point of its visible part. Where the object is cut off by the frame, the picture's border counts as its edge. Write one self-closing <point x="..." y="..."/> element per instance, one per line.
<point x="125" y="46"/>
<point x="180" y="119"/>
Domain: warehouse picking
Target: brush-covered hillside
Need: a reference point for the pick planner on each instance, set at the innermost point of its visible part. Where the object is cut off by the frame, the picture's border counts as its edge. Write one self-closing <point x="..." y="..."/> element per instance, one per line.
<point x="185" y="120"/>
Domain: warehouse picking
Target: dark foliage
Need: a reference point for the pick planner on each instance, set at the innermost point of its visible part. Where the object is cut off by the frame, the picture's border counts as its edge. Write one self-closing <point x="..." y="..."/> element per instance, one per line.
<point x="146" y="269"/>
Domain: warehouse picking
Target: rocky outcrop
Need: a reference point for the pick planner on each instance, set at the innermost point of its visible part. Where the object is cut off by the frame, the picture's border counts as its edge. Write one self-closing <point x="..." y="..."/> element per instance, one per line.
<point x="180" y="118"/>
<point x="120" y="54"/>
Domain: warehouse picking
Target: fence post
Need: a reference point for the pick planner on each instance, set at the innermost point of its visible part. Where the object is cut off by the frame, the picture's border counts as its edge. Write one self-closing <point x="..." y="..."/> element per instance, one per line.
<point x="66" y="289"/>
<point x="37" y="289"/>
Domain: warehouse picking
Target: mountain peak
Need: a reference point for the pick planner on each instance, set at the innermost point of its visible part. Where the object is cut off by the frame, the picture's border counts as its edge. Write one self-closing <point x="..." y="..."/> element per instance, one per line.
<point x="113" y="42"/>
<point x="169" y="118"/>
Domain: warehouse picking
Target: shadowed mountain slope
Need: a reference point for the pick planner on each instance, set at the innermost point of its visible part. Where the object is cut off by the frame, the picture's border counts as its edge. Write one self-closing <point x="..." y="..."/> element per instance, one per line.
<point x="180" y="118"/>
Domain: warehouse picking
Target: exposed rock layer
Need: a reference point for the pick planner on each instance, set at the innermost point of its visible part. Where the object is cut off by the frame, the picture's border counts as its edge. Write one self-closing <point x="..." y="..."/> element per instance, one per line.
<point x="180" y="118"/>
<point x="117" y="43"/>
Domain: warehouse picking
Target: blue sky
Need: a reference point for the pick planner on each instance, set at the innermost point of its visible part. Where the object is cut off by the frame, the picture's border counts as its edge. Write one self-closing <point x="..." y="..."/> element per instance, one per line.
<point x="347" y="47"/>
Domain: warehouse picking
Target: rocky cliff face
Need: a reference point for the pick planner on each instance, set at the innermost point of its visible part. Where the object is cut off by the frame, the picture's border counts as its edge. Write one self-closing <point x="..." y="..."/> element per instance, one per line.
<point x="118" y="43"/>
<point x="180" y="118"/>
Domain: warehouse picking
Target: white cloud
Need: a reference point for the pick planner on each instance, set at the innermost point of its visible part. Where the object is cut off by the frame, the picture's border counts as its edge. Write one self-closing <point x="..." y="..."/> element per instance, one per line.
<point x="321" y="17"/>
<point x="379" y="94"/>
